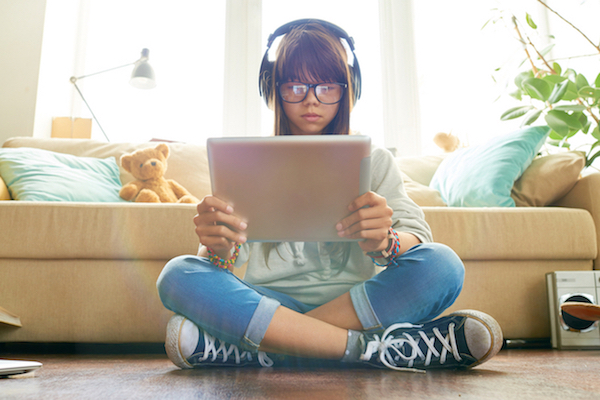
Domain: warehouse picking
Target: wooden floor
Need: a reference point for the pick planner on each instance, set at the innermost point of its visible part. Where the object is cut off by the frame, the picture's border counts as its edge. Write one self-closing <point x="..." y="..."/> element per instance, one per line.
<point x="512" y="374"/>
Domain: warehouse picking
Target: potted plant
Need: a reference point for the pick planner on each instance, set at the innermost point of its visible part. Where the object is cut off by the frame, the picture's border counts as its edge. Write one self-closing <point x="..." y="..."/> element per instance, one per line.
<point x="568" y="101"/>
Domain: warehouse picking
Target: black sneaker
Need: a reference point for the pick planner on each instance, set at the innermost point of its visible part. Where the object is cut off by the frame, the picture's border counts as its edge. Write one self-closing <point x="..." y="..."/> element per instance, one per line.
<point x="462" y="339"/>
<point x="190" y="347"/>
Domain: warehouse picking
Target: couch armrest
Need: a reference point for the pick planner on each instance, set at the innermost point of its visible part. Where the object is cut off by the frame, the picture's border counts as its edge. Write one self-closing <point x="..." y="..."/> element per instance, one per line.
<point x="585" y="195"/>
<point x="4" y="194"/>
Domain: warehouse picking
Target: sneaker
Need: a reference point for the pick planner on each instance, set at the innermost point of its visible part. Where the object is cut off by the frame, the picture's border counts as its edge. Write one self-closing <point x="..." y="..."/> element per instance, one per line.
<point x="462" y="339"/>
<point x="190" y="347"/>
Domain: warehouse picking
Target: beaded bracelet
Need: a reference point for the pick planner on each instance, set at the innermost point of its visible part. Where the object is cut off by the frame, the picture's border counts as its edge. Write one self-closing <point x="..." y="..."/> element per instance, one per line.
<point x="221" y="263"/>
<point x="390" y="253"/>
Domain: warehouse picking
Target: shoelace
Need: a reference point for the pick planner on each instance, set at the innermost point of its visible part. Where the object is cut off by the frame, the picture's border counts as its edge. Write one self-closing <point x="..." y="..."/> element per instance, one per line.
<point x="210" y="348"/>
<point x="388" y="345"/>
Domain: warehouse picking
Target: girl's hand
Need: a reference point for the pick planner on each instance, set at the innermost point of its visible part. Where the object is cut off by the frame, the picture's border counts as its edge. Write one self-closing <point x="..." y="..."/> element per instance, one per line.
<point x="370" y="220"/>
<point x="217" y="227"/>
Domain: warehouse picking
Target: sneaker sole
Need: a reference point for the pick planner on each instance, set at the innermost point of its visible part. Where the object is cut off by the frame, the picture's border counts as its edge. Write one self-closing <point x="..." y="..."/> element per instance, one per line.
<point x="494" y="328"/>
<point x="172" y="342"/>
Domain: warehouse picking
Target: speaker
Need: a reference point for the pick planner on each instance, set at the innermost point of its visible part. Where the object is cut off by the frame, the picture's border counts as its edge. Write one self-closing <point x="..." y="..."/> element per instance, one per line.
<point x="265" y="76"/>
<point x="569" y="332"/>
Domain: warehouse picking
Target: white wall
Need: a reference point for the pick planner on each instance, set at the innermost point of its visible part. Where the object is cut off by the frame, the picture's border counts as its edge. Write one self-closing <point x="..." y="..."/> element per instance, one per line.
<point x="21" y="32"/>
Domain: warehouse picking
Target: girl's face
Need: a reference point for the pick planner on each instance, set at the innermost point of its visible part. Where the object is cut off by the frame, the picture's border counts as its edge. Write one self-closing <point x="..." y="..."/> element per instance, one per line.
<point x="309" y="117"/>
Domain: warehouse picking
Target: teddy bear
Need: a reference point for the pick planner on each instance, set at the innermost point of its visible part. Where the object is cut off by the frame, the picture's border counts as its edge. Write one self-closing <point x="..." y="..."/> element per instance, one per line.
<point x="148" y="167"/>
<point x="446" y="141"/>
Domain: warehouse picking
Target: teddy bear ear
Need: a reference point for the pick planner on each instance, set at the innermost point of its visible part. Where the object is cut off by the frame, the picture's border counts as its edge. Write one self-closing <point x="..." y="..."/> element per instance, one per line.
<point x="164" y="149"/>
<point x="126" y="162"/>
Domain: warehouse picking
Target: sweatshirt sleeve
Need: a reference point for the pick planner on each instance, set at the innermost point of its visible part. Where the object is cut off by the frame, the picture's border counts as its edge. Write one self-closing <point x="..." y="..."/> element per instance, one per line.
<point x="386" y="181"/>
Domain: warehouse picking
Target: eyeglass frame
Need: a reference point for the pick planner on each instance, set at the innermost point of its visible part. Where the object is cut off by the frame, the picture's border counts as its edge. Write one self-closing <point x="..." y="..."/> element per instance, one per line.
<point x="311" y="86"/>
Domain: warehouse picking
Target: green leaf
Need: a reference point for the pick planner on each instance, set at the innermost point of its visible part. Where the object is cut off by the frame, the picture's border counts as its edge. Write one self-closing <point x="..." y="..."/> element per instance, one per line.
<point x="558" y="92"/>
<point x="570" y="107"/>
<point x="530" y="21"/>
<point x="521" y="77"/>
<point x="597" y="81"/>
<point x="537" y="88"/>
<point x="554" y="136"/>
<point x="588" y="91"/>
<point x="591" y="159"/>
<point x="596" y="133"/>
<point x="581" y="82"/>
<point x="571" y="93"/>
<point x="556" y="67"/>
<point x="517" y="94"/>
<point x="562" y="122"/>
<point x="570" y="73"/>
<point x="558" y="143"/>
<point x="546" y="50"/>
<point x="515" y="112"/>
<point x="585" y="123"/>
<point x="531" y="117"/>
<point x="554" y="79"/>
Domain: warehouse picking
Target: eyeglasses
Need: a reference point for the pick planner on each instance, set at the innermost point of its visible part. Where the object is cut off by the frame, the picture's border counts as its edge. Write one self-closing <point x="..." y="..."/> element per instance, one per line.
<point x="326" y="93"/>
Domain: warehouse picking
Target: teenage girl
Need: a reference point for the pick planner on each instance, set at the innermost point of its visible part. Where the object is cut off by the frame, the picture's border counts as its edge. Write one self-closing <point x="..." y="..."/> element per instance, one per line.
<point x="323" y="300"/>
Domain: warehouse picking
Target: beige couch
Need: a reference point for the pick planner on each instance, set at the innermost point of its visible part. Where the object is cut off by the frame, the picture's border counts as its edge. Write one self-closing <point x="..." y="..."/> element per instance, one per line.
<point x="86" y="272"/>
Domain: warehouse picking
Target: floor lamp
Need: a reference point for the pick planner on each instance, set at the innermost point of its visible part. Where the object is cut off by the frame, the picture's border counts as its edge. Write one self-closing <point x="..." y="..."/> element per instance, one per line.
<point x="142" y="77"/>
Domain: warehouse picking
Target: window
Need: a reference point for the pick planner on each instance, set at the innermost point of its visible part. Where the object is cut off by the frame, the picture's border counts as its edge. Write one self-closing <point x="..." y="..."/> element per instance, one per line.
<point x="186" y="43"/>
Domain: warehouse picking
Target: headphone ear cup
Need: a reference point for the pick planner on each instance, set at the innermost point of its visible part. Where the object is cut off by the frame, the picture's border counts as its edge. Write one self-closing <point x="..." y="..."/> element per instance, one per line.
<point x="265" y="80"/>
<point x="356" y="80"/>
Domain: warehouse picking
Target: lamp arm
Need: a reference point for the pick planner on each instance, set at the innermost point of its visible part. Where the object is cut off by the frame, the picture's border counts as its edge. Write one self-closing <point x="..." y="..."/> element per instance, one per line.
<point x="74" y="81"/>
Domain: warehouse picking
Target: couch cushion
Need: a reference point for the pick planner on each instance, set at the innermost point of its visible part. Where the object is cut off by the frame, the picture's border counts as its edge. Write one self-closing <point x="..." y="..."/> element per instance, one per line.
<point x="41" y="175"/>
<point x="4" y="194"/>
<point x="123" y="231"/>
<point x="517" y="233"/>
<point x="548" y="179"/>
<point x="187" y="163"/>
<point x="483" y="175"/>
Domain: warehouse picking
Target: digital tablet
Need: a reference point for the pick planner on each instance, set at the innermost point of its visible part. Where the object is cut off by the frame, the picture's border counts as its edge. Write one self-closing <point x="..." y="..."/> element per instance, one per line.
<point x="14" y="367"/>
<point x="290" y="188"/>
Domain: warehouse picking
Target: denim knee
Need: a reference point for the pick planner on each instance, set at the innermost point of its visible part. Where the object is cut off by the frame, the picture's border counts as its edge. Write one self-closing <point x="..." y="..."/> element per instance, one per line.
<point x="419" y="286"/>
<point x="449" y="265"/>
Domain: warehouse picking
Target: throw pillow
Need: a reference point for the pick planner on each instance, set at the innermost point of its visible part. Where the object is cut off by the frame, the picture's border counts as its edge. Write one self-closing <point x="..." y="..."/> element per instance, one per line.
<point x="420" y="168"/>
<point x="422" y="195"/>
<point x="548" y="179"/>
<point x="483" y="175"/>
<point x="41" y="175"/>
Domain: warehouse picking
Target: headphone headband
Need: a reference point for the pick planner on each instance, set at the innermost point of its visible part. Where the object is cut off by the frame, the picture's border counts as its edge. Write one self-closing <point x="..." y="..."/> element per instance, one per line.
<point x="265" y="77"/>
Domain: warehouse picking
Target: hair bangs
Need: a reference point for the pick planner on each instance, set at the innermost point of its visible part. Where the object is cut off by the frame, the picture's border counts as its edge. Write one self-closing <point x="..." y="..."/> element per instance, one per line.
<point x="313" y="57"/>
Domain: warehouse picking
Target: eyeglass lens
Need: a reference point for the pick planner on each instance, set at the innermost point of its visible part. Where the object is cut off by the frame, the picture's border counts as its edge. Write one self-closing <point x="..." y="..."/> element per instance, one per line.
<point x="326" y="93"/>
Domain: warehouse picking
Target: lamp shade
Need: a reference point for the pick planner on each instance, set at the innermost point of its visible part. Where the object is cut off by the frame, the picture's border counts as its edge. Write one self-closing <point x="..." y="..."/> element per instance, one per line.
<point x="142" y="76"/>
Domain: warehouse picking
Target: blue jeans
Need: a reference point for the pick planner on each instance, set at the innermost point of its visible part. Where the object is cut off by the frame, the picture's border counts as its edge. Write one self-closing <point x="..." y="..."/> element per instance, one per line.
<point x="422" y="283"/>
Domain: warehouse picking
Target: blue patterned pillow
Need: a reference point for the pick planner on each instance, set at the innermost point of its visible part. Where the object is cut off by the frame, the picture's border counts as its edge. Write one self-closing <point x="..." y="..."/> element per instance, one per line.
<point x="483" y="175"/>
<point x="41" y="175"/>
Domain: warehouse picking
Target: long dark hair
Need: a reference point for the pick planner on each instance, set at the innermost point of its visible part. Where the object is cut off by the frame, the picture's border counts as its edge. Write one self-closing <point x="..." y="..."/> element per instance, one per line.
<point x="311" y="52"/>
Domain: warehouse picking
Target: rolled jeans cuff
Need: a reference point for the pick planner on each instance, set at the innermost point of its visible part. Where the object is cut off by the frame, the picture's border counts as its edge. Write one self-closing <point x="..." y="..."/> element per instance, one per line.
<point x="364" y="309"/>
<point x="259" y="323"/>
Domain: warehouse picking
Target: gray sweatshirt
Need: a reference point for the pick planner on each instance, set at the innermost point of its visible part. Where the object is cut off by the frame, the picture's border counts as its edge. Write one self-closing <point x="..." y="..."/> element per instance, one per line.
<point x="307" y="272"/>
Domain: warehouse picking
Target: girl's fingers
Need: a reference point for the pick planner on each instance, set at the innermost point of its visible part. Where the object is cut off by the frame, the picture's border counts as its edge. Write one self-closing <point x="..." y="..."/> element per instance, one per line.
<point x="216" y="226"/>
<point x="368" y="207"/>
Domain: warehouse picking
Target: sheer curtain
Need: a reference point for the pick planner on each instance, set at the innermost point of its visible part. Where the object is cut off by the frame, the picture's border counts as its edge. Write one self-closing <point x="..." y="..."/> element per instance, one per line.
<point x="427" y="66"/>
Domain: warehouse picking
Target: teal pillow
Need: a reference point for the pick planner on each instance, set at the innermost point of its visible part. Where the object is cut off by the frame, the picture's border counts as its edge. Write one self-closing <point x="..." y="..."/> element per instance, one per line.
<point x="41" y="175"/>
<point x="483" y="175"/>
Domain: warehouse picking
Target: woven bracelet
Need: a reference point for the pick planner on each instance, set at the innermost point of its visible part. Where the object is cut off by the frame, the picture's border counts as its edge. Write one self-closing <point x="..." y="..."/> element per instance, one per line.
<point x="392" y="252"/>
<point x="221" y="263"/>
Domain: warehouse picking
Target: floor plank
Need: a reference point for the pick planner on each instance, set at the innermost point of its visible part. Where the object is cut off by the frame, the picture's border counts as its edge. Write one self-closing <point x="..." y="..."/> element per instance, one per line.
<point x="512" y="374"/>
